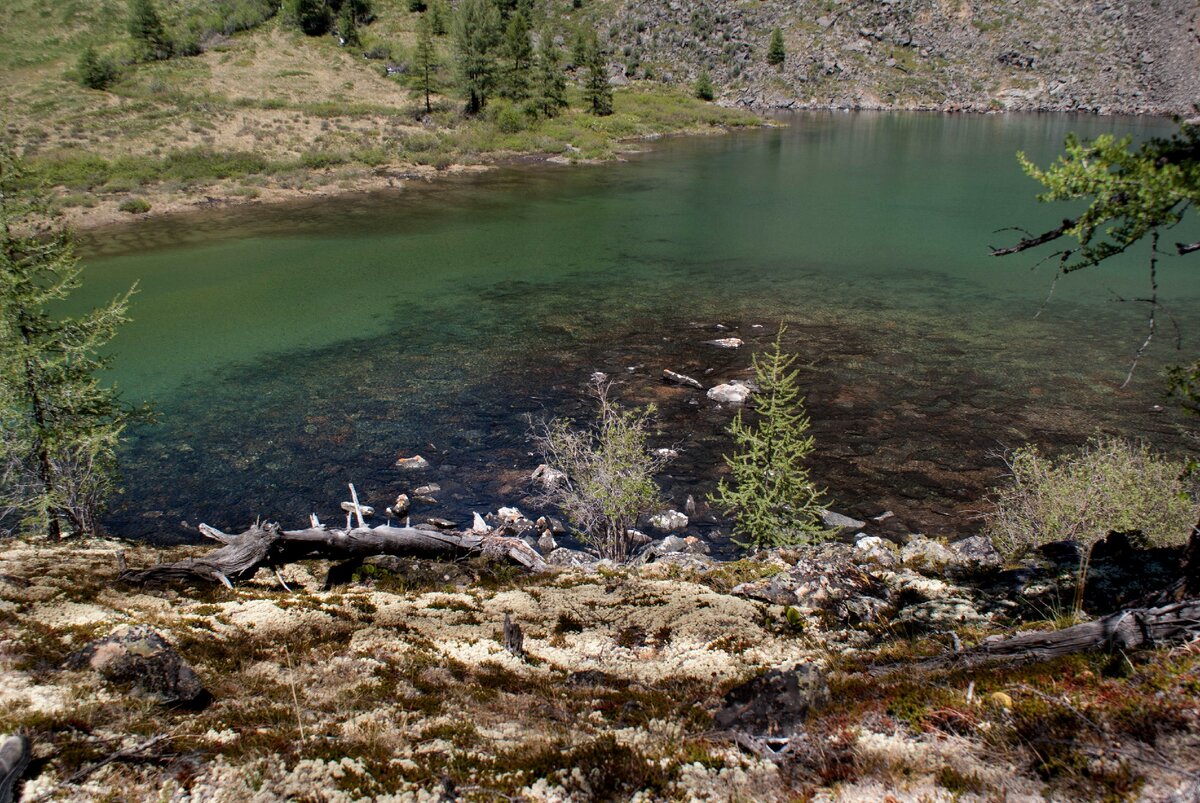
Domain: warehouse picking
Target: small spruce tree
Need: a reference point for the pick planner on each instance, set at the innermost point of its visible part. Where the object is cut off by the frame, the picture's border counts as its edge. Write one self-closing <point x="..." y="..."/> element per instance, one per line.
<point x="425" y="61"/>
<point x="769" y="492"/>
<point x="146" y="29"/>
<point x="551" y="80"/>
<point x="775" y="51"/>
<point x="59" y="426"/>
<point x="597" y="92"/>
<point x="517" y="59"/>
<point x="704" y="86"/>
<point x="95" y="71"/>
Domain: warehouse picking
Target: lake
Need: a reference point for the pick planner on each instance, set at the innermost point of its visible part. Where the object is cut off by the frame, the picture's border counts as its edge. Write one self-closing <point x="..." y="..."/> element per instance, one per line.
<point x="289" y="350"/>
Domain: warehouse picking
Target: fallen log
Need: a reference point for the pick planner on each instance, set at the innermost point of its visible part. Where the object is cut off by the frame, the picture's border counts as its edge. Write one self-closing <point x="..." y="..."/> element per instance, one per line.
<point x="1130" y="629"/>
<point x="268" y="545"/>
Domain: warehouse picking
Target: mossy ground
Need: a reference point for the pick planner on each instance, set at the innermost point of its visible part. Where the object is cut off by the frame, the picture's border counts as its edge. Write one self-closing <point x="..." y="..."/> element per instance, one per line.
<point x="402" y="688"/>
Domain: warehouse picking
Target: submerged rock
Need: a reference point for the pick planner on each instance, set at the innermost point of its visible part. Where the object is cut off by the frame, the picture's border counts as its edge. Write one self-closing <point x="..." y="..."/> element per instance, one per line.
<point x="138" y="656"/>
<point x="725" y="342"/>
<point x="731" y="393"/>
<point x="681" y="379"/>
<point x="414" y="463"/>
<point x="775" y="703"/>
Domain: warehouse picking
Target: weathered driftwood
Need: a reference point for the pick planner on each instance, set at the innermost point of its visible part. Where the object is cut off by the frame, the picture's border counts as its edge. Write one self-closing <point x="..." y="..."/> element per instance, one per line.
<point x="269" y="546"/>
<point x="1130" y="629"/>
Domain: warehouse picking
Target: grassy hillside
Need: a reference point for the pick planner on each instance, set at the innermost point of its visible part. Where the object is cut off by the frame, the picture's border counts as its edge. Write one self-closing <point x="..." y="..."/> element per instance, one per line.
<point x="268" y="107"/>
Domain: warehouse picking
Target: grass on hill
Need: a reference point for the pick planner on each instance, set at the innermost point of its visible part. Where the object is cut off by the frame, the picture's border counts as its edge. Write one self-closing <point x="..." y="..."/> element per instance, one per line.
<point x="263" y="101"/>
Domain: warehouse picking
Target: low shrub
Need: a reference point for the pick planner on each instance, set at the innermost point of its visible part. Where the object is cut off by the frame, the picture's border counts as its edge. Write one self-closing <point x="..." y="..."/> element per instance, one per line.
<point x="135" y="206"/>
<point x="609" y="472"/>
<point x="1109" y="485"/>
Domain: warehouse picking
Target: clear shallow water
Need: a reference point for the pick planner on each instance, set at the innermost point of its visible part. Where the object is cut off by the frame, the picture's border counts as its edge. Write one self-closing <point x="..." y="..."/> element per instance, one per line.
<point x="290" y="350"/>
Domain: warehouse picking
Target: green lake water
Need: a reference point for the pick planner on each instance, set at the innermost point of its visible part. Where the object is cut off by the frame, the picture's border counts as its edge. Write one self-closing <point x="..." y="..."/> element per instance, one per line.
<point x="290" y="350"/>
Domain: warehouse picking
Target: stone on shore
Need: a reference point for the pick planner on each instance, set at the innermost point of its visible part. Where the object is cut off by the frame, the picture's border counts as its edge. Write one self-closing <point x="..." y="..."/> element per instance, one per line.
<point x="139" y="657"/>
<point x="669" y="521"/>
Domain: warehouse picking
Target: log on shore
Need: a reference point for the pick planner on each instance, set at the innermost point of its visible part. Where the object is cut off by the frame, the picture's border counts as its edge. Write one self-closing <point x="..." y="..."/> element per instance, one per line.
<point x="242" y="554"/>
<point x="1130" y="629"/>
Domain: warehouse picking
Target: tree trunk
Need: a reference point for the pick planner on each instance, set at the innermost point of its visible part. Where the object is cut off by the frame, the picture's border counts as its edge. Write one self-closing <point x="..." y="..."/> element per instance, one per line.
<point x="244" y="553"/>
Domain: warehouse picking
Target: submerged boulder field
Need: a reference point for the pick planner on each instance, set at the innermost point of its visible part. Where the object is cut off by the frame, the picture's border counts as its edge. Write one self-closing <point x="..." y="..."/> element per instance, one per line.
<point x="791" y="672"/>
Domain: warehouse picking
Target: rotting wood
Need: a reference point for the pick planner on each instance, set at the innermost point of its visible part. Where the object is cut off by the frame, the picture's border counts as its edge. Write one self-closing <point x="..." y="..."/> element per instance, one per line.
<point x="267" y="545"/>
<point x="1129" y="629"/>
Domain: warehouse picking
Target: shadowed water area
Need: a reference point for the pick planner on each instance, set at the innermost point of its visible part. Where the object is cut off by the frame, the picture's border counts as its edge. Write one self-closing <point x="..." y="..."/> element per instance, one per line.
<point x="289" y="350"/>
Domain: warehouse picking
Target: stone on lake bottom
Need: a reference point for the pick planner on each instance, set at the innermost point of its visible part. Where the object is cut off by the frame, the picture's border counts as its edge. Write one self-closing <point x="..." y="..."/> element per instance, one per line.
<point x="730" y="393"/>
<point x="681" y="379"/>
<point x="414" y="463"/>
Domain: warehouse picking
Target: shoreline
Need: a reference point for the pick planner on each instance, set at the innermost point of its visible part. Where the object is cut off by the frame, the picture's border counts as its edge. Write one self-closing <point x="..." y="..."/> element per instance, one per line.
<point x="221" y="193"/>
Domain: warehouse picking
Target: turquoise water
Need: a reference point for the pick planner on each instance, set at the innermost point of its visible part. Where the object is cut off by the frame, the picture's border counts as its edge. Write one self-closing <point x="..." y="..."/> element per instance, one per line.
<point x="292" y="349"/>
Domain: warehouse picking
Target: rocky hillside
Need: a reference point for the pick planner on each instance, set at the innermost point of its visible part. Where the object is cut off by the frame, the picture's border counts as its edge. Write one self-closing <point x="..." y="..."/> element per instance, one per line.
<point x="1106" y="56"/>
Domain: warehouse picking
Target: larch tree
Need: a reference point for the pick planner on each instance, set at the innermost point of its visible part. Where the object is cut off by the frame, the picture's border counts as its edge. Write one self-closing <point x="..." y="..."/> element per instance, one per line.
<point x="597" y="92"/>
<point x="517" y="59"/>
<point x="425" y="59"/>
<point x="59" y="425"/>
<point x="551" y="79"/>
<point x="477" y="36"/>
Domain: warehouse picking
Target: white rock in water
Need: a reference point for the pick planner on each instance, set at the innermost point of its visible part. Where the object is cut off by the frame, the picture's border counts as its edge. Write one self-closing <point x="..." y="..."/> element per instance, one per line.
<point x="367" y="510"/>
<point x="414" y="463"/>
<point x="669" y="521"/>
<point x="725" y="342"/>
<point x="732" y="393"/>
<point x="479" y="525"/>
<point x="509" y="514"/>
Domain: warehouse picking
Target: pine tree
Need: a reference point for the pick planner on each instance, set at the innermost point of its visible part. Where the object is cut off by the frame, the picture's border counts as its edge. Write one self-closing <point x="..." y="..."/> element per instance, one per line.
<point x="146" y="28"/>
<point x="517" y="59"/>
<point x="425" y="59"/>
<point x="775" y="52"/>
<point x="704" y="86"/>
<point x="769" y="492"/>
<point x="552" y="81"/>
<point x="59" y="426"/>
<point x="477" y="36"/>
<point x="597" y="92"/>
